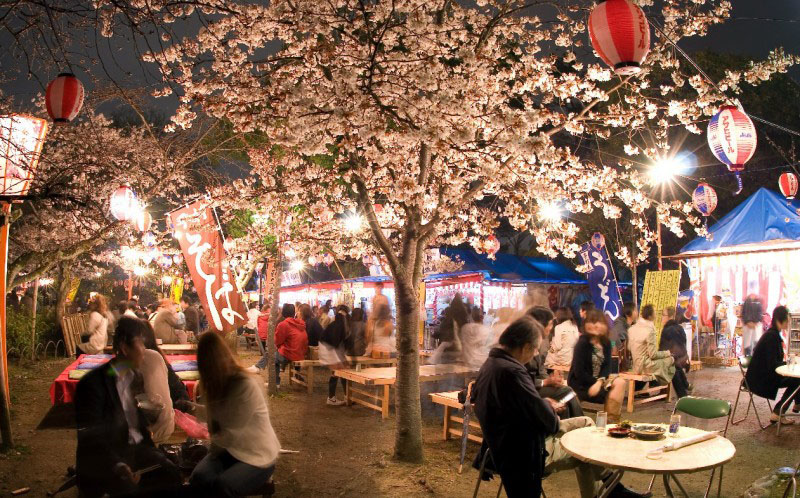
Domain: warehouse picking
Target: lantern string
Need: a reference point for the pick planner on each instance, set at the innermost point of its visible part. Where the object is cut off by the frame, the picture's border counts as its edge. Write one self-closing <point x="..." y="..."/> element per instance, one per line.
<point x="713" y="83"/>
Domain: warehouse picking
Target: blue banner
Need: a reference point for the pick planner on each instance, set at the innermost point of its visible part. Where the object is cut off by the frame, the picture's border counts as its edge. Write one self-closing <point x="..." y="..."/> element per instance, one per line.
<point x="600" y="274"/>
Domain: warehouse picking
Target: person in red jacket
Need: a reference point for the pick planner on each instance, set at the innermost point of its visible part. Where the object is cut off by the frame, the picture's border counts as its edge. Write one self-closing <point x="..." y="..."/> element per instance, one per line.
<point x="291" y="342"/>
<point x="263" y="324"/>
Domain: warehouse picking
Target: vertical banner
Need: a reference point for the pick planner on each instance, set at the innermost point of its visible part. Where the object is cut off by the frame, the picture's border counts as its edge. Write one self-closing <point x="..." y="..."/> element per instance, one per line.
<point x="176" y="290"/>
<point x="661" y="290"/>
<point x="600" y="274"/>
<point x="198" y="234"/>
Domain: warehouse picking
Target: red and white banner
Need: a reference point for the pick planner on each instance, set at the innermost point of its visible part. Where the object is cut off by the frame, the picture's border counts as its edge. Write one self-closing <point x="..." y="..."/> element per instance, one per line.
<point x="197" y="231"/>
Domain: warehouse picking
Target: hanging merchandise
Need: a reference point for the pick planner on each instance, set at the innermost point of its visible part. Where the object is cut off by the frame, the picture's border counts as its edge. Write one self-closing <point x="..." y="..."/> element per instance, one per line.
<point x="64" y="98"/>
<point x="732" y="139"/>
<point x="788" y="185"/>
<point x="123" y="204"/>
<point x="620" y="35"/>
<point x="143" y="221"/>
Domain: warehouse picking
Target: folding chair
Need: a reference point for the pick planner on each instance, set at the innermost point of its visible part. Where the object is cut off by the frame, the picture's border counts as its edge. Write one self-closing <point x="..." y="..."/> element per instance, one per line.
<point x="744" y="363"/>
<point x="705" y="408"/>
<point x="792" y="483"/>
<point x="480" y="475"/>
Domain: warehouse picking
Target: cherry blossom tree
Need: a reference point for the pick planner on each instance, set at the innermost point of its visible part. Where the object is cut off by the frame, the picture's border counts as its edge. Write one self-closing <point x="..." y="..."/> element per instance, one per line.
<point x="430" y="120"/>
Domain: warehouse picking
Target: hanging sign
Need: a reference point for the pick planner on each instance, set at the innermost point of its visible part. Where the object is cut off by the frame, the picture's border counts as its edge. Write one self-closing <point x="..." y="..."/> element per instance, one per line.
<point x="600" y="274"/>
<point x="661" y="290"/>
<point x="198" y="233"/>
<point x="290" y="277"/>
<point x="176" y="291"/>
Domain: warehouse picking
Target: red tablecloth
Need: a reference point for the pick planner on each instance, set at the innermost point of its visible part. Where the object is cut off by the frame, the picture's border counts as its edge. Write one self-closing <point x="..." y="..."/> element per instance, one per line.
<point x="62" y="390"/>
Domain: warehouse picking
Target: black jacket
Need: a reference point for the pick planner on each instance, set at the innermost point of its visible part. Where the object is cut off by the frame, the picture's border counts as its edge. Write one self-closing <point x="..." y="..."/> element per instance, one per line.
<point x="514" y="419"/>
<point x="581" y="377"/>
<point x="767" y="356"/>
<point x="673" y="339"/>
<point x="313" y="331"/>
<point x="102" y="428"/>
<point x="335" y="334"/>
<point x="752" y="311"/>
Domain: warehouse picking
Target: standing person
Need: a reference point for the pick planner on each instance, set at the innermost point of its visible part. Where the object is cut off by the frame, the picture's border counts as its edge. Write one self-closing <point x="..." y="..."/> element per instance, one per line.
<point x="244" y="447"/>
<point x="589" y="375"/>
<point x="642" y="344"/>
<point x="474" y="340"/>
<point x="313" y="328"/>
<point x="752" y="314"/>
<point x="768" y="355"/>
<point x="113" y="437"/>
<point x="97" y="329"/>
<point x="454" y="317"/>
<point x="263" y="325"/>
<point x="565" y="335"/>
<point x="716" y="318"/>
<point x="251" y="327"/>
<point x="291" y="343"/>
<point x="673" y="339"/>
<point x="332" y="350"/>
<point x="586" y="306"/>
<point x="166" y="324"/>
<point x="356" y="342"/>
<point x="383" y="338"/>
<point x="192" y="317"/>
<point x="324" y="317"/>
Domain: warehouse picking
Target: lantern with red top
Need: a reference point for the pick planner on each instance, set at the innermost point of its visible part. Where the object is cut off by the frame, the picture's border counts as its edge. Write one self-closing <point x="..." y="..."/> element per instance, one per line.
<point x="732" y="139"/>
<point x="788" y="185"/>
<point x="620" y="35"/>
<point x="491" y="245"/>
<point x="142" y="221"/>
<point x="124" y="205"/>
<point x="704" y="200"/>
<point x="64" y="98"/>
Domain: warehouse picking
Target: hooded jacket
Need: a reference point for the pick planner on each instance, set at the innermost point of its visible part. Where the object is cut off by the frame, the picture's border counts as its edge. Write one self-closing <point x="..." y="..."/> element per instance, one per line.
<point x="263" y="326"/>
<point x="291" y="339"/>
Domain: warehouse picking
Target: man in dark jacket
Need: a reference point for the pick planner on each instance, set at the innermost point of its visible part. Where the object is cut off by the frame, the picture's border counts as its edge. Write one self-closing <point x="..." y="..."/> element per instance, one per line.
<point x="113" y="439"/>
<point x="313" y="328"/>
<point x="752" y="313"/>
<point x="673" y="339"/>
<point x="192" y="317"/>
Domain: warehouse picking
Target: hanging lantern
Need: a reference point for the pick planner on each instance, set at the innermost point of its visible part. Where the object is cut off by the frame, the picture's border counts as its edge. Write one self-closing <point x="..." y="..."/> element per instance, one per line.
<point x="176" y="258"/>
<point x="312" y="260"/>
<point x="64" y="98"/>
<point x="620" y="35"/>
<point x="149" y="239"/>
<point x="228" y="244"/>
<point x="378" y="208"/>
<point x="166" y="261"/>
<point x="124" y="204"/>
<point x="732" y="139"/>
<point x="704" y="199"/>
<point x="147" y="258"/>
<point x="788" y="185"/>
<point x="143" y="221"/>
<point x="327" y="259"/>
<point x="492" y="245"/>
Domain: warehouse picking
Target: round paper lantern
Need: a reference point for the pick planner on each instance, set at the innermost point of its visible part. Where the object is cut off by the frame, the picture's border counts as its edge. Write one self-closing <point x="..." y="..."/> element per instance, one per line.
<point x="149" y="239"/>
<point x="312" y="260"/>
<point x="64" y="98"/>
<point x="124" y="204"/>
<point x="166" y="261"/>
<point x="176" y="258"/>
<point x="147" y="258"/>
<point x="327" y="259"/>
<point x="620" y="35"/>
<point x="143" y="221"/>
<point x="492" y="245"/>
<point x="732" y="139"/>
<point x="598" y="240"/>
<point x="788" y="185"/>
<point x="704" y="199"/>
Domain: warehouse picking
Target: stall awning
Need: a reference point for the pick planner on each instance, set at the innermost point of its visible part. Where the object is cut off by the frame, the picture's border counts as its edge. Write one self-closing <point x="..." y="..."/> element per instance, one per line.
<point x="765" y="221"/>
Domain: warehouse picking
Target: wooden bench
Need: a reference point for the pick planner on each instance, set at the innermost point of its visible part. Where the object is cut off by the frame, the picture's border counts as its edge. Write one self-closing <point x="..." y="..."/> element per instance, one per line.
<point x="454" y="424"/>
<point x="302" y="372"/>
<point x="655" y="393"/>
<point x="383" y="378"/>
<point x="72" y="326"/>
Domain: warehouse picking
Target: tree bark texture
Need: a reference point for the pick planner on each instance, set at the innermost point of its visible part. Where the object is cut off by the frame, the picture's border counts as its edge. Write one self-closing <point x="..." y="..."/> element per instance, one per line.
<point x="408" y="429"/>
<point x="63" y="286"/>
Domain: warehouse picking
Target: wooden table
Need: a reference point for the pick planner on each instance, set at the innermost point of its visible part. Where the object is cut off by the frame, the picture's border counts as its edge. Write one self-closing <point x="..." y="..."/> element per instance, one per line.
<point x="168" y="348"/>
<point x="383" y="378"/>
<point x="787" y="371"/>
<point x="453" y="424"/>
<point x="302" y="372"/>
<point x="629" y="454"/>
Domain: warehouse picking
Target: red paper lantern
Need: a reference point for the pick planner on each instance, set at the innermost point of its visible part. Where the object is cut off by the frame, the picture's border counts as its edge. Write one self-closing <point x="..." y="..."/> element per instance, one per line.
<point x="124" y="204"/>
<point x="788" y="185"/>
<point x="492" y="245"/>
<point x="64" y="98"/>
<point x="143" y="221"/>
<point x="620" y="35"/>
<point x="732" y="138"/>
<point x="327" y="259"/>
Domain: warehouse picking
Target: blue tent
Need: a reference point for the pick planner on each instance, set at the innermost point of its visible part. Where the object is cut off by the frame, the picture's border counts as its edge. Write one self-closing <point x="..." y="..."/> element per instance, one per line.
<point x="510" y="268"/>
<point x="764" y="217"/>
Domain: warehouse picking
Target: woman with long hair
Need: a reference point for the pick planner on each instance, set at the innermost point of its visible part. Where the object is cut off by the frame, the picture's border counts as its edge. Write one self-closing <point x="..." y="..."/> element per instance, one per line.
<point x="565" y="335"/>
<point x="591" y="367"/>
<point x="244" y="447"/>
<point x="332" y="350"/>
<point x="97" y="328"/>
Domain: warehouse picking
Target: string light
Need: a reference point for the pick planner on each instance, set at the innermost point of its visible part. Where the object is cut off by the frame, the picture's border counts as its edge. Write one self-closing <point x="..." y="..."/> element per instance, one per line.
<point x="550" y="211"/>
<point x="296" y="265"/>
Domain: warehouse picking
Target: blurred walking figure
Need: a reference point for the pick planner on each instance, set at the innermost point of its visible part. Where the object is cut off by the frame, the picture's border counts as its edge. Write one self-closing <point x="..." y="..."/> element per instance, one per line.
<point x="475" y="338"/>
<point x="752" y="312"/>
<point x="454" y="317"/>
<point x="332" y="350"/>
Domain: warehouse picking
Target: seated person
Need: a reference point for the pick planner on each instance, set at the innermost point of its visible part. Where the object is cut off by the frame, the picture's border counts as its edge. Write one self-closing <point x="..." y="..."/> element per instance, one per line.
<point x="519" y="427"/>
<point x="291" y="342"/>
<point x="113" y="439"/>
<point x="474" y="337"/>
<point x="565" y="335"/>
<point x="761" y="376"/>
<point x="619" y="330"/>
<point x="645" y="356"/>
<point x="244" y="447"/>
<point x="177" y="389"/>
<point x="673" y="339"/>
<point x="591" y="367"/>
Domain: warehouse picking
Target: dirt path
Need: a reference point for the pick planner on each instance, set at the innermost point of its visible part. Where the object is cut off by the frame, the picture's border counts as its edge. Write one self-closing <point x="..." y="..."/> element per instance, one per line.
<point x="346" y="451"/>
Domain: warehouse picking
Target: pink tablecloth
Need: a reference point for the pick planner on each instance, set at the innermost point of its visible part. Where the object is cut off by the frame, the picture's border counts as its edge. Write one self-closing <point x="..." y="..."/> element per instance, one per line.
<point x="62" y="390"/>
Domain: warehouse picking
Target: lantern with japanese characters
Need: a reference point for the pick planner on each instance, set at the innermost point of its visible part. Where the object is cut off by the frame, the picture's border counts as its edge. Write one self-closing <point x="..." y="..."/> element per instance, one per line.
<point x="620" y="35"/>
<point x="704" y="200"/>
<point x="732" y="138"/>
<point x="788" y="185"/>
<point x="124" y="204"/>
<point x="64" y="98"/>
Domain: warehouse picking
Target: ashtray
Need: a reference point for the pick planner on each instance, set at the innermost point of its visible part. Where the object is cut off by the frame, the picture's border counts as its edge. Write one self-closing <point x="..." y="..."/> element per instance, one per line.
<point x="619" y="432"/>
<point x="648" y="432"/>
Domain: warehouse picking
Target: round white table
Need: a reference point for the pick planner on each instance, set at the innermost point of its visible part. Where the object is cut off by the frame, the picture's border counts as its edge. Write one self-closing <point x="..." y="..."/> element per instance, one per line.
<point x="787" y="371"/>
<point x="629" y="454"/>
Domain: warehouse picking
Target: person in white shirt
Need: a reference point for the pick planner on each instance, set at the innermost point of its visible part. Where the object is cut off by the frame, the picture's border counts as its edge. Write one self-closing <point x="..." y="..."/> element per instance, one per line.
<point x="642" y="344"/>
<point x="252" y="320"/>
<point x="244" y="447"/>
<point x="565" y="336"/>
<point x="97" y="328"/>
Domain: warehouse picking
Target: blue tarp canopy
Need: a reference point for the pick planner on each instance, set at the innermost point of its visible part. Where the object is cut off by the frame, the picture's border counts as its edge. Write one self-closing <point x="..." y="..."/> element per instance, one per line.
<point x="765" y="220"/>
<point x="510" y="268"/>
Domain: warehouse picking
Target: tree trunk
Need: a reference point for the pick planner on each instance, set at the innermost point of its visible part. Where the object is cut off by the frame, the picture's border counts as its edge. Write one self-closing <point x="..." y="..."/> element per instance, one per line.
<point x="634" y="278"/>
<point x="274" y="313"/>
<point x="408" y="428"/>
<point x="33" y="319"/>
<point x="63" y="285"/>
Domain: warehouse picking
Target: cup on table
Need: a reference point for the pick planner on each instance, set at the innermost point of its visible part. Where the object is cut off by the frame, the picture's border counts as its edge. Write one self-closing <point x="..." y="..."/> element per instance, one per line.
<point x="674" y="425"/>
<point x="601" y="421"/>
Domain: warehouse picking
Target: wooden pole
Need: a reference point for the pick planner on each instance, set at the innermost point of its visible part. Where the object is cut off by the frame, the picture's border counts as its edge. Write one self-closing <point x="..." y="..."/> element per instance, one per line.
<point x="658" y="231"/>
<point x="130" y="285"/>
<point x="33" y="319"/>
<point x="5" y="401"/>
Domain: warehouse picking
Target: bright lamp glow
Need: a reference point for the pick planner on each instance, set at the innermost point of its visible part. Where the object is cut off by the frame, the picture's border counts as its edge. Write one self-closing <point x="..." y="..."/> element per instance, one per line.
<point x="296" y="265"/>
<point x="140" y="271"/>
<point x="664" y="170"/>
<point x="45" y="281"/>
<point x="290" y="253"/>
<point x="353" y="223"/>
<point x="550" y="211"/>
<point x="166" y="280"/>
